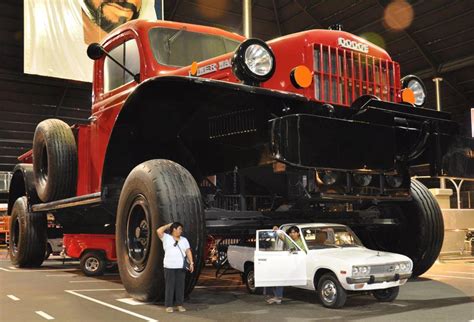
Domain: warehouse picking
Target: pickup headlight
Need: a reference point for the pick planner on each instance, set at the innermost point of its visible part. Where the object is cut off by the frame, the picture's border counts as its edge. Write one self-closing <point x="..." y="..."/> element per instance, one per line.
<point x="253" y="62"/>
<point x="403" y="267"/>
<point x="360" y="271"/>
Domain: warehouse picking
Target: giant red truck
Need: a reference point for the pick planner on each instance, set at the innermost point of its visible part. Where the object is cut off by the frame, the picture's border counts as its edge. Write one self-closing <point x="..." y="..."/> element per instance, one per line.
<point x="198" y="125"/>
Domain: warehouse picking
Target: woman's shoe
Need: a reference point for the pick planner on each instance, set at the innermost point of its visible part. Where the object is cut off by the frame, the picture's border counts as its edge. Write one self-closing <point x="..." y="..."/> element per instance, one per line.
<point x="181" y="308"/>
<point x="274" y="300"/>
<point x="169" y="310"/>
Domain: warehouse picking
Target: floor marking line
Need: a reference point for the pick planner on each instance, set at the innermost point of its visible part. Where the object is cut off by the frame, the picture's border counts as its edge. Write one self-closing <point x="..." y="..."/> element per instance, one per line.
<point x="44" y="315"/>
<point x="131" y="301"/>
<point x="37" y="270"/>
<point x="97" y="290"/>
<point x="113" y="307"/>
<point x="100" y="281"/>
<point x="13" y="297"/>
<point x="449" y="276"/>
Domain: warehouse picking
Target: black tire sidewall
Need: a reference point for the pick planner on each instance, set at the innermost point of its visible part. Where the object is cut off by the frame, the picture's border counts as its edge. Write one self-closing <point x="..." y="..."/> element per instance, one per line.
<point x="391" y="295"/>
<point x="56" y="138"/>
<point x="341" y="294"/>
<point x="32" y="235"/>
<point x="139" y="285"/>
<point x="144" y="181"/>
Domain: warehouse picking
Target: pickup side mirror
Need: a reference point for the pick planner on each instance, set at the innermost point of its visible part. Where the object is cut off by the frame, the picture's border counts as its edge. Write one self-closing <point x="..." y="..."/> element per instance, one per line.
<point x="95" y="51"/>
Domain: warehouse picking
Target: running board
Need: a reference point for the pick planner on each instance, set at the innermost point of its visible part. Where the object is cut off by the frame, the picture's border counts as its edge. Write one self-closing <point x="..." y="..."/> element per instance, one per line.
<point x="85" y="200"/>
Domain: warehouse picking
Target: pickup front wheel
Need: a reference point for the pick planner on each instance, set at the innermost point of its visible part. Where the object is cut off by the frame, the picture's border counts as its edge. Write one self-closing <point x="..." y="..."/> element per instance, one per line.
<point x="386" y="295"/>
<point x="330" y="291"/>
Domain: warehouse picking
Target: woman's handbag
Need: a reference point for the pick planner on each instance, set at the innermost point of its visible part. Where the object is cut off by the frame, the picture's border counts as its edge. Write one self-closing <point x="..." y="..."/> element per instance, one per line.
<point x="186" y="264"/>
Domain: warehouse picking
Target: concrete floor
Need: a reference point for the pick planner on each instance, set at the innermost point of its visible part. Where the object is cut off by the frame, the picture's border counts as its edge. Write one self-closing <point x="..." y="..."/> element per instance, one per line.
<point x="62" y="292"/>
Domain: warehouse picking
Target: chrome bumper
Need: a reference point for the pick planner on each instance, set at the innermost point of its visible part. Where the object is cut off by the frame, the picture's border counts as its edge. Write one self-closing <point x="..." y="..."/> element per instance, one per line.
<point x="377" y="279"/>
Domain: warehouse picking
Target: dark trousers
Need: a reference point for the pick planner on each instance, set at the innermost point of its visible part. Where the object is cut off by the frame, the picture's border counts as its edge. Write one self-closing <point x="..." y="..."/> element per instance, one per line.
<point x="174" y="286"/>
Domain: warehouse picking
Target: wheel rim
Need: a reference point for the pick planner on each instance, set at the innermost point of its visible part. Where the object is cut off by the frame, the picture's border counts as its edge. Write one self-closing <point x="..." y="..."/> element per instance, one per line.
<point x="138" y="234"/>
<point x="92" y="264"/>
<point x="14" y="239"/>
<point x="251" y="280"/>
<point x="329" y="291"/>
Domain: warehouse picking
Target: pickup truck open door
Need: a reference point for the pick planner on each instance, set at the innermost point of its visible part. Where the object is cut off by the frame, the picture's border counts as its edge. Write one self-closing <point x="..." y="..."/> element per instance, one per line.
<point x="278" y="260"/>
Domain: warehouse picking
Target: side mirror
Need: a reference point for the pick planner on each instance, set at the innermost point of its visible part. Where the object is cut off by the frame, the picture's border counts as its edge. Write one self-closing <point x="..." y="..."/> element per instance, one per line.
<point x="95" y="51"/>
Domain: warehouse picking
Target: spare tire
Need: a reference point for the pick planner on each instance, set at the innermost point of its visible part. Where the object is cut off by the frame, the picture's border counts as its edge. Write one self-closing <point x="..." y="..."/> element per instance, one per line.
<point x="54" y="160"/>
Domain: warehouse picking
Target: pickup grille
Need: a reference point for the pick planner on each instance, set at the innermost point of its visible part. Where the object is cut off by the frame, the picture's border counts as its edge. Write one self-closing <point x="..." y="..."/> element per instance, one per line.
<point x="341" y="76"/>
<point x="382" y="269"/>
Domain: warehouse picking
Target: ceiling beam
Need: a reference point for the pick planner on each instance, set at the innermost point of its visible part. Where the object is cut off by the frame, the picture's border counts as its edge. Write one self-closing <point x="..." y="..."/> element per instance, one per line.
<point x="430" y="60"/>
<point x="316" y="22"/>
<point x="277" y="18"/>
<point x="450" y="66"/>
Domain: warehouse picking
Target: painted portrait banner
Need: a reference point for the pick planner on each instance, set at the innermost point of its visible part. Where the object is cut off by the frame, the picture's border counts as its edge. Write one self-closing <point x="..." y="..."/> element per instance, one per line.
<point x="57" y="32"/>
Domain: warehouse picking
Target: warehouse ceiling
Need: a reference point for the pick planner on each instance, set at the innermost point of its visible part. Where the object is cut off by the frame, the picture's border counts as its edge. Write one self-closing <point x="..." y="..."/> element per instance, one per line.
<point x="428" y="38"/>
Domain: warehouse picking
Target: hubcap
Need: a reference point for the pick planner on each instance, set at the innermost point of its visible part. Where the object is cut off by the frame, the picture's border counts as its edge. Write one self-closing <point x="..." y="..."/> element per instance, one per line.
<point x="138" y="234"/>
<point x="329" y="291"/>
<point x="92" y="264"/>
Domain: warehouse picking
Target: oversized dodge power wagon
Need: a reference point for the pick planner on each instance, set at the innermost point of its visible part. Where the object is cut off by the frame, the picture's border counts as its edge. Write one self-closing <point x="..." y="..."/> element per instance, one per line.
<point x="206" y="127"/>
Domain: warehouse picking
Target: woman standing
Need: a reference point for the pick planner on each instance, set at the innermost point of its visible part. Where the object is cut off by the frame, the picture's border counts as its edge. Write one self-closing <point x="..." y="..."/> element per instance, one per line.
<point x="176" y="249"/>
<point x="277" y="291"/>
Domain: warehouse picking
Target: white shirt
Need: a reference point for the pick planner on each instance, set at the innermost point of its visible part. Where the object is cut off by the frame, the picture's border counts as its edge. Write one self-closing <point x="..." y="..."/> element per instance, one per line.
<point x="173" y="255"/>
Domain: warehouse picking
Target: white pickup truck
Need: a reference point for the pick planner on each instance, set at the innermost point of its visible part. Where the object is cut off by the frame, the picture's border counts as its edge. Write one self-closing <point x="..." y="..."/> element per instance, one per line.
<point x="334" y="262"/>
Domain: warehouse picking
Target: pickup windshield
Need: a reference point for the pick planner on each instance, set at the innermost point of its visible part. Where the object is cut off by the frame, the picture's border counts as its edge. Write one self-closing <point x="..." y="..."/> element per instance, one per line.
<point x="327" y="237"/>
<point x="179" y="48"/>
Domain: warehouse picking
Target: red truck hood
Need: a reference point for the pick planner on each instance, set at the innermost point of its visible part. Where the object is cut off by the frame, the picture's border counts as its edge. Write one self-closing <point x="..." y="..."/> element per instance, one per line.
<point x="339" y="83"/>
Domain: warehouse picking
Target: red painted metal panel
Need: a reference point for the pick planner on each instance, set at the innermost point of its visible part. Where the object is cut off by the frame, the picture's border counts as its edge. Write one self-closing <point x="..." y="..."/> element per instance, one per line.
<point x="76" y="244"/>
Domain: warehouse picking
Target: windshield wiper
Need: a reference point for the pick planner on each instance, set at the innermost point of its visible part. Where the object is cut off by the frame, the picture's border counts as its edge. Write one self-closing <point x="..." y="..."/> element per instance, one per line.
<point x="171" y="39"/>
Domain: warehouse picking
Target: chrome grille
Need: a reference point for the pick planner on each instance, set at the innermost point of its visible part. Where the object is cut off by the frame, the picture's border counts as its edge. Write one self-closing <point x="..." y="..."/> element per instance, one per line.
<point x="341" y="76"/>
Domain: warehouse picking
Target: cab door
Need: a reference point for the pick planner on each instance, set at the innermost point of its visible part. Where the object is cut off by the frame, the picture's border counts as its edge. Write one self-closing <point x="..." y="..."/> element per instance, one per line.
<point x="278" y="260"/>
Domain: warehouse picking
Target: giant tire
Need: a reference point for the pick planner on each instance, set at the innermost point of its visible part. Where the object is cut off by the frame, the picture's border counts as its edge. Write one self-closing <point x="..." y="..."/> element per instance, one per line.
<point x="156" y="192"/>
<point x="420" y="233"/>
<point x="28" y="235"/>
<point x="54" y="160"/>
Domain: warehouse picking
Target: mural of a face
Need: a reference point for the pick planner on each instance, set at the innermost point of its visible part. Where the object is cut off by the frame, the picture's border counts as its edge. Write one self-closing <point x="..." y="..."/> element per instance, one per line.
<point x="109" y="14"/>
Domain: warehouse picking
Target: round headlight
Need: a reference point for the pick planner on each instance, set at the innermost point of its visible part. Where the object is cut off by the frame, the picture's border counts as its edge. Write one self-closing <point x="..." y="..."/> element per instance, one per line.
<point x="394" y="181"/>
<point x="362" y="179"/>
<point x="418" y="88"/>
<point x="253" y="62"/>
<point x="327" y="177"/>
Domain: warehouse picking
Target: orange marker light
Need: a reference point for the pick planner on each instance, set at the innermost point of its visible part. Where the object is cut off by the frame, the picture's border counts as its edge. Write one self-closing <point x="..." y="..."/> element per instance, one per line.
<point x="408" y="96"/>
<point x="194" y="68"/>
<point x="301" y="76"/>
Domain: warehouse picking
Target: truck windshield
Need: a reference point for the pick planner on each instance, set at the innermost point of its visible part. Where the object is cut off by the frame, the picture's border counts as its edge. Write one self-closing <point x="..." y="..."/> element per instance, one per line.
<point x="327" y="237"/>
<point x="178" y="47"/>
